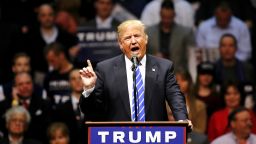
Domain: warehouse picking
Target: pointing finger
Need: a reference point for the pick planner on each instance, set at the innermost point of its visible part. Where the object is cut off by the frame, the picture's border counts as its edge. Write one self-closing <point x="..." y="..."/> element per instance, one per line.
<point x="89" y="63"/>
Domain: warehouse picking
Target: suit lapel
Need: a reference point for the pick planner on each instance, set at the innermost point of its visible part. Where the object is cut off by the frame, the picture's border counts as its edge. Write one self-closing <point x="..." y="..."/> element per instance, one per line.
<point x="150" y="78"/>
<point x="121" y="79"/>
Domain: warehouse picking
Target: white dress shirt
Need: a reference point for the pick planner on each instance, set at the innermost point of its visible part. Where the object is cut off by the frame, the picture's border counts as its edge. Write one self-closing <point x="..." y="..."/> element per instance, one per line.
<point x="209" y="34"/>
<point x="183" y="9"/>
<point x="230" y="138"/>
<point x="129" y="73"/>
<point x="74" y="101"/>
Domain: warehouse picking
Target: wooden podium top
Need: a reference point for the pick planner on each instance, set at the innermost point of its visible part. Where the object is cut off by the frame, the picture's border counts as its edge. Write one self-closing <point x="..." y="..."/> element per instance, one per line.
<point x="130" y="123"/>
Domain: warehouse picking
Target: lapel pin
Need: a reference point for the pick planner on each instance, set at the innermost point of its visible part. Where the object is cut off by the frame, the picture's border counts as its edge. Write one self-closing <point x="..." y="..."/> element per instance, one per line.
<point x="153" y="69"/>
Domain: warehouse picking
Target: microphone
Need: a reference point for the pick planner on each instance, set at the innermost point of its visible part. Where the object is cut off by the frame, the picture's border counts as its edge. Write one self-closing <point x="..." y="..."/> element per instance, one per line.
<point x="135" y="62"/>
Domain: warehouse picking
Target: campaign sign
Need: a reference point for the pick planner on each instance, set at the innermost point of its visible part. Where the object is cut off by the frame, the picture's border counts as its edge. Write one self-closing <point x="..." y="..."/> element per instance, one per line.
<point x="137" y="134"/>
<point x="97" y="44"/>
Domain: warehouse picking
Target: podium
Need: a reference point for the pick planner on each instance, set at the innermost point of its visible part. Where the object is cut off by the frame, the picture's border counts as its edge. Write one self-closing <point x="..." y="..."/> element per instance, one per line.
<point x="137" y="132"/>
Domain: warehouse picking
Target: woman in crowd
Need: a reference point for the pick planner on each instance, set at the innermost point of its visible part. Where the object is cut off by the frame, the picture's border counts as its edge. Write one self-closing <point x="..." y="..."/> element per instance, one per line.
<point x="205" y="89"/>
<point x="195" y="107"/>
<point x="58" y="133"/>
<point x="218" y="124"/>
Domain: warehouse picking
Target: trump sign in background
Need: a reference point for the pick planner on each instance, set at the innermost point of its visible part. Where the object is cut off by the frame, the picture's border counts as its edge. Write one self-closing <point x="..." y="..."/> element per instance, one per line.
<point x="97" y="44"/>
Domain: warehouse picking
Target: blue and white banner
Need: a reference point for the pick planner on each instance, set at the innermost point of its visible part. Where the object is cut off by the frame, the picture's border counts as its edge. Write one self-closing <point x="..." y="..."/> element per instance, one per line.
<point x="97" y="44"/>
<point x="137" y="134"/>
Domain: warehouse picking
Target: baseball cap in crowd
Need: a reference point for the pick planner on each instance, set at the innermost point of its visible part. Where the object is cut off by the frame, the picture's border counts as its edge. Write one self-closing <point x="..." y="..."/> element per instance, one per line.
<point x="206" y="68"/>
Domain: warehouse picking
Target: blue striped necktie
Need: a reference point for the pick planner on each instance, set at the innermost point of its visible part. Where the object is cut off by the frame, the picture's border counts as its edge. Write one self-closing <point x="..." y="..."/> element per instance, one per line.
<point x="139" y="97"/>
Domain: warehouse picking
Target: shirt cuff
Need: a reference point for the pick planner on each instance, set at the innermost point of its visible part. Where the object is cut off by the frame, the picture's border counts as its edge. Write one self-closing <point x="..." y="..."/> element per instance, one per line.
<point x="87" y="92"/>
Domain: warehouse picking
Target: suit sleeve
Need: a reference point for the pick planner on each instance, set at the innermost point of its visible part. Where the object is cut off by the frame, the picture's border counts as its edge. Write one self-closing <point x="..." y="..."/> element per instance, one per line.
<point x="93" y="105"/>
<point x="174" y="97"/>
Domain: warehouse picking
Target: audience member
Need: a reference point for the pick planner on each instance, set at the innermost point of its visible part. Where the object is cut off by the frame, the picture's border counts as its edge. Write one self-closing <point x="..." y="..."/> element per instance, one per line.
<point x="31" y="99"/>
<point x="218" y="124"/>
<point x="240" y="123"/>
<point x="183" y="10"/>
<point x="17" y="122"/>
<point x="67" y="15"/>
<point x="67" y="22"/>
<point x="58" y="133"/>
<point x="103" y="18"/>
<point x="69" y="112"/>
<point x="223" y="21"/>
<point x="240" y="8"/>
<point x="228" y="67"/>
<point x="56" y="82"/>
<point x="196" y="108"/>
<point x="169" y="39"/>
<point x="21" y="63"/>
<point x="205" y="89"/>
<point x="192" y="137"/>
<point x="134" y="6"/>
<point x="42" y="36"/>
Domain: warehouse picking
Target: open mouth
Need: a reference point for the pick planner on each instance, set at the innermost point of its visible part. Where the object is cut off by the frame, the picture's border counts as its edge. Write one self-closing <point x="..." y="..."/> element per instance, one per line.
<point x="135" y="49"/>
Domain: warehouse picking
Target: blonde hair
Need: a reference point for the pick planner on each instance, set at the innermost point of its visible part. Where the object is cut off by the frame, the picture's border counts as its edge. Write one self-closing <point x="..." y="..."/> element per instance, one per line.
<point x="125" y="24"/>
<point x="55" y="127"/>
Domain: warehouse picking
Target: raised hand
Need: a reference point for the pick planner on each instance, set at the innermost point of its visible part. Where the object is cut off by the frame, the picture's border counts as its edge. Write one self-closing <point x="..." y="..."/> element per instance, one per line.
<point x="88" y="76"/>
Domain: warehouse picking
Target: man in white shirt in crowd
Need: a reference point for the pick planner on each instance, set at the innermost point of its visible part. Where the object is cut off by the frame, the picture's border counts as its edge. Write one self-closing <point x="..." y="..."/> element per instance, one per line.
<point x="241" y="126"/>
<point x="211" y="30"/>
<point x="183" y="9"/>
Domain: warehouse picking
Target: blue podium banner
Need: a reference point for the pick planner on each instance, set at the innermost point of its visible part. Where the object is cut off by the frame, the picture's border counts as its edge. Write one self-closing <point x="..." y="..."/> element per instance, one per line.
<point x="137" y="134"/>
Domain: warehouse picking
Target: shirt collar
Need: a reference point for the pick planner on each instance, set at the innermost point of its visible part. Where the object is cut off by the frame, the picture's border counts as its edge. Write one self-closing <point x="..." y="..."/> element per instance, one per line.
<point x="214" y="23"/>
<point x="128" y="62"/>
<point x="16" y="142"/>
<point x="235" y="138"/>
<point x="104" y="24"/>
<point x="75" y="101"/>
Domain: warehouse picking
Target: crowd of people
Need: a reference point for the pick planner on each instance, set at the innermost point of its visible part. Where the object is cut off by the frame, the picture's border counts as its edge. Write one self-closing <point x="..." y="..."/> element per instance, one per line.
<point x="211" y="43"/>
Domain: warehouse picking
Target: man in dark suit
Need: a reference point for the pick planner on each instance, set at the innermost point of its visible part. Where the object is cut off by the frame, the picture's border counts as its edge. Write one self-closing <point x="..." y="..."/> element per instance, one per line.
<point x="30" y="97"/>
<point x="108" y="92"/>
<point x="69" y="112"/>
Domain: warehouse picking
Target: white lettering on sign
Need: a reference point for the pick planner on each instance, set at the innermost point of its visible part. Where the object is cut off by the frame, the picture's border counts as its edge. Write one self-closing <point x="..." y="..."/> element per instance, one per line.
<point x="97" y="36"/>
<point x="131" y="137"/>
<point x="150" y="138"/>
<point x="103" y="135"/>
<point x="136" y="137"/>
<point x="118" y="135"/>
<point x="169" y="135"/>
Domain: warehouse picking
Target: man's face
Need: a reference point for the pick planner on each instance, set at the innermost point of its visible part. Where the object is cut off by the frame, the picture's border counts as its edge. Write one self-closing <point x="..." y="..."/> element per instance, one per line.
<point x="76" y="81"/>
<point x="22" y="64"/>
<point x="242" y="123"/>
<point x="167" y="16"/>
<point x="104" y="8"/>
<point x="133" y="41"/>
<point x="46" y="16"/>
<point x="227" y="49"/>
<point x="54" y="60"/>
<point x="17" y="124"/>
<point x="24" y="85"/>
<point x="223" y="17"/>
